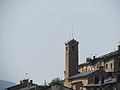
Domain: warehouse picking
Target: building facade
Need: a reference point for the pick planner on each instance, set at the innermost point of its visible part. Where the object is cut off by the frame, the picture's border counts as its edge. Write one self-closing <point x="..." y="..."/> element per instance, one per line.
<point x="25" y="84"/>
<point x="94" y="71"/>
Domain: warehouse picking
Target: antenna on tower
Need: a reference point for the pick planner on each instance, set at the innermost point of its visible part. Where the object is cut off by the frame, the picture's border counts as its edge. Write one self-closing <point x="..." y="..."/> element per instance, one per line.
<point x="26" y="75"/>
<point x="91" y="55"/>
<point x="72" y="32"/>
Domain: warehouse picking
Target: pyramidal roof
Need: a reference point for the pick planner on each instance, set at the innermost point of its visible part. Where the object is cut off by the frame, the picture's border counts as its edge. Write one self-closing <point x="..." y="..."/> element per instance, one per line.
<point x="71" y="41"/>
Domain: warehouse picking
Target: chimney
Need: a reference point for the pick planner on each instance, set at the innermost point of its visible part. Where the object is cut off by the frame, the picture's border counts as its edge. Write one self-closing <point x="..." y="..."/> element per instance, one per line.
<point x="118" y="47"/>
<point x="20" y="82"/>
<point x="31" y="81"/>
<point x="93" y="57"/>
<point x="88" y="59"/>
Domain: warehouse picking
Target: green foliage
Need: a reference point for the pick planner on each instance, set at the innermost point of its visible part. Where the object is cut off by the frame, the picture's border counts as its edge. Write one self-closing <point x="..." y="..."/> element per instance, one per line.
<point x="56" y="81"/>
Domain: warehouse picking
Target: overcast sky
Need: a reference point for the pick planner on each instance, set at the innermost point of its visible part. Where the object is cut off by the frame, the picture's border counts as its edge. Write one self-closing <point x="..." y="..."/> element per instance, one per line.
<point x="33" y="33"/>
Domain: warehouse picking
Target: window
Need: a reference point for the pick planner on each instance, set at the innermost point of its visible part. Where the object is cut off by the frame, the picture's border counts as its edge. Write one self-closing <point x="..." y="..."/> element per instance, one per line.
<point x="95" y="88"/>
<point x="66" y="48"/>
<point x="96" y="80"/>
<point x="111" y="65"/>
<point x="106" y="66"/>
<point x="119" y="64"/>
<point x="81" y="88"/>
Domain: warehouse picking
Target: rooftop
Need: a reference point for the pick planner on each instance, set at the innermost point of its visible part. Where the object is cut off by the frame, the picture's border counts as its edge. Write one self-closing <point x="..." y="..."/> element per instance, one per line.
<point x="103" y="57"/>
<point x="69" y="41"/>
<point x="83" y="74"/>
<point x="106" y="81"/>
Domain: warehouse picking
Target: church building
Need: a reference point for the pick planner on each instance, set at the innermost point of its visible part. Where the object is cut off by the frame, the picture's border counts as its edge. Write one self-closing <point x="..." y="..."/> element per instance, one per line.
<point x="97" y="73"/>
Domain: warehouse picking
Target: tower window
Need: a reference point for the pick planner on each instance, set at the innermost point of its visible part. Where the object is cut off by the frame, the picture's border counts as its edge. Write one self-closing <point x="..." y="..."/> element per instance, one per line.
<point x="66" y="48"/>
<point x="73" y="49"/>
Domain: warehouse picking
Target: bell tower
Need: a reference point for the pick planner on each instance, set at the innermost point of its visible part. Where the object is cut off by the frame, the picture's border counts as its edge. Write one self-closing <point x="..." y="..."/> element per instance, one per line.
<point x="71" y="60"/>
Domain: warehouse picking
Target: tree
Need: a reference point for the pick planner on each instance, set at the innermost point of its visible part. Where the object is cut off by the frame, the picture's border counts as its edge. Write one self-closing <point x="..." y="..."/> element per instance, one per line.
<point x="56" y="81"/>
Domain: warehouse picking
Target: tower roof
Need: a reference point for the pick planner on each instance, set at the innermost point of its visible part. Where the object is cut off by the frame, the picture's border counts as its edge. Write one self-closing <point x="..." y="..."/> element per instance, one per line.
<point x="71" y="41"/>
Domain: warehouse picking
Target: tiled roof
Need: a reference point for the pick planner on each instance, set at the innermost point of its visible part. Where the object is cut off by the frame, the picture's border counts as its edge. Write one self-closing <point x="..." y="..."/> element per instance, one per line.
<point x="103" y="57"/>
<point x="106" y="81"/>
<point x="82" y="74"/>
<point x="109" y="54"/>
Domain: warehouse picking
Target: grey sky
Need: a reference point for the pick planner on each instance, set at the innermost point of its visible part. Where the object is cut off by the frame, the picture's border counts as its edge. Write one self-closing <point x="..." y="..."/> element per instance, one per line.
<point x="33" y="32"/>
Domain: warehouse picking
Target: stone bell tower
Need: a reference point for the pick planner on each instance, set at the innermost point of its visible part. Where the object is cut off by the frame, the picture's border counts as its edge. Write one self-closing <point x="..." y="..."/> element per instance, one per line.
<point x="71" y="60"/>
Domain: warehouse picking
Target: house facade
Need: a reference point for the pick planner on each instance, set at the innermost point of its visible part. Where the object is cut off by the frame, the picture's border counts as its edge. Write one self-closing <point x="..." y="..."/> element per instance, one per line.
<point x="25" y="84"/>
